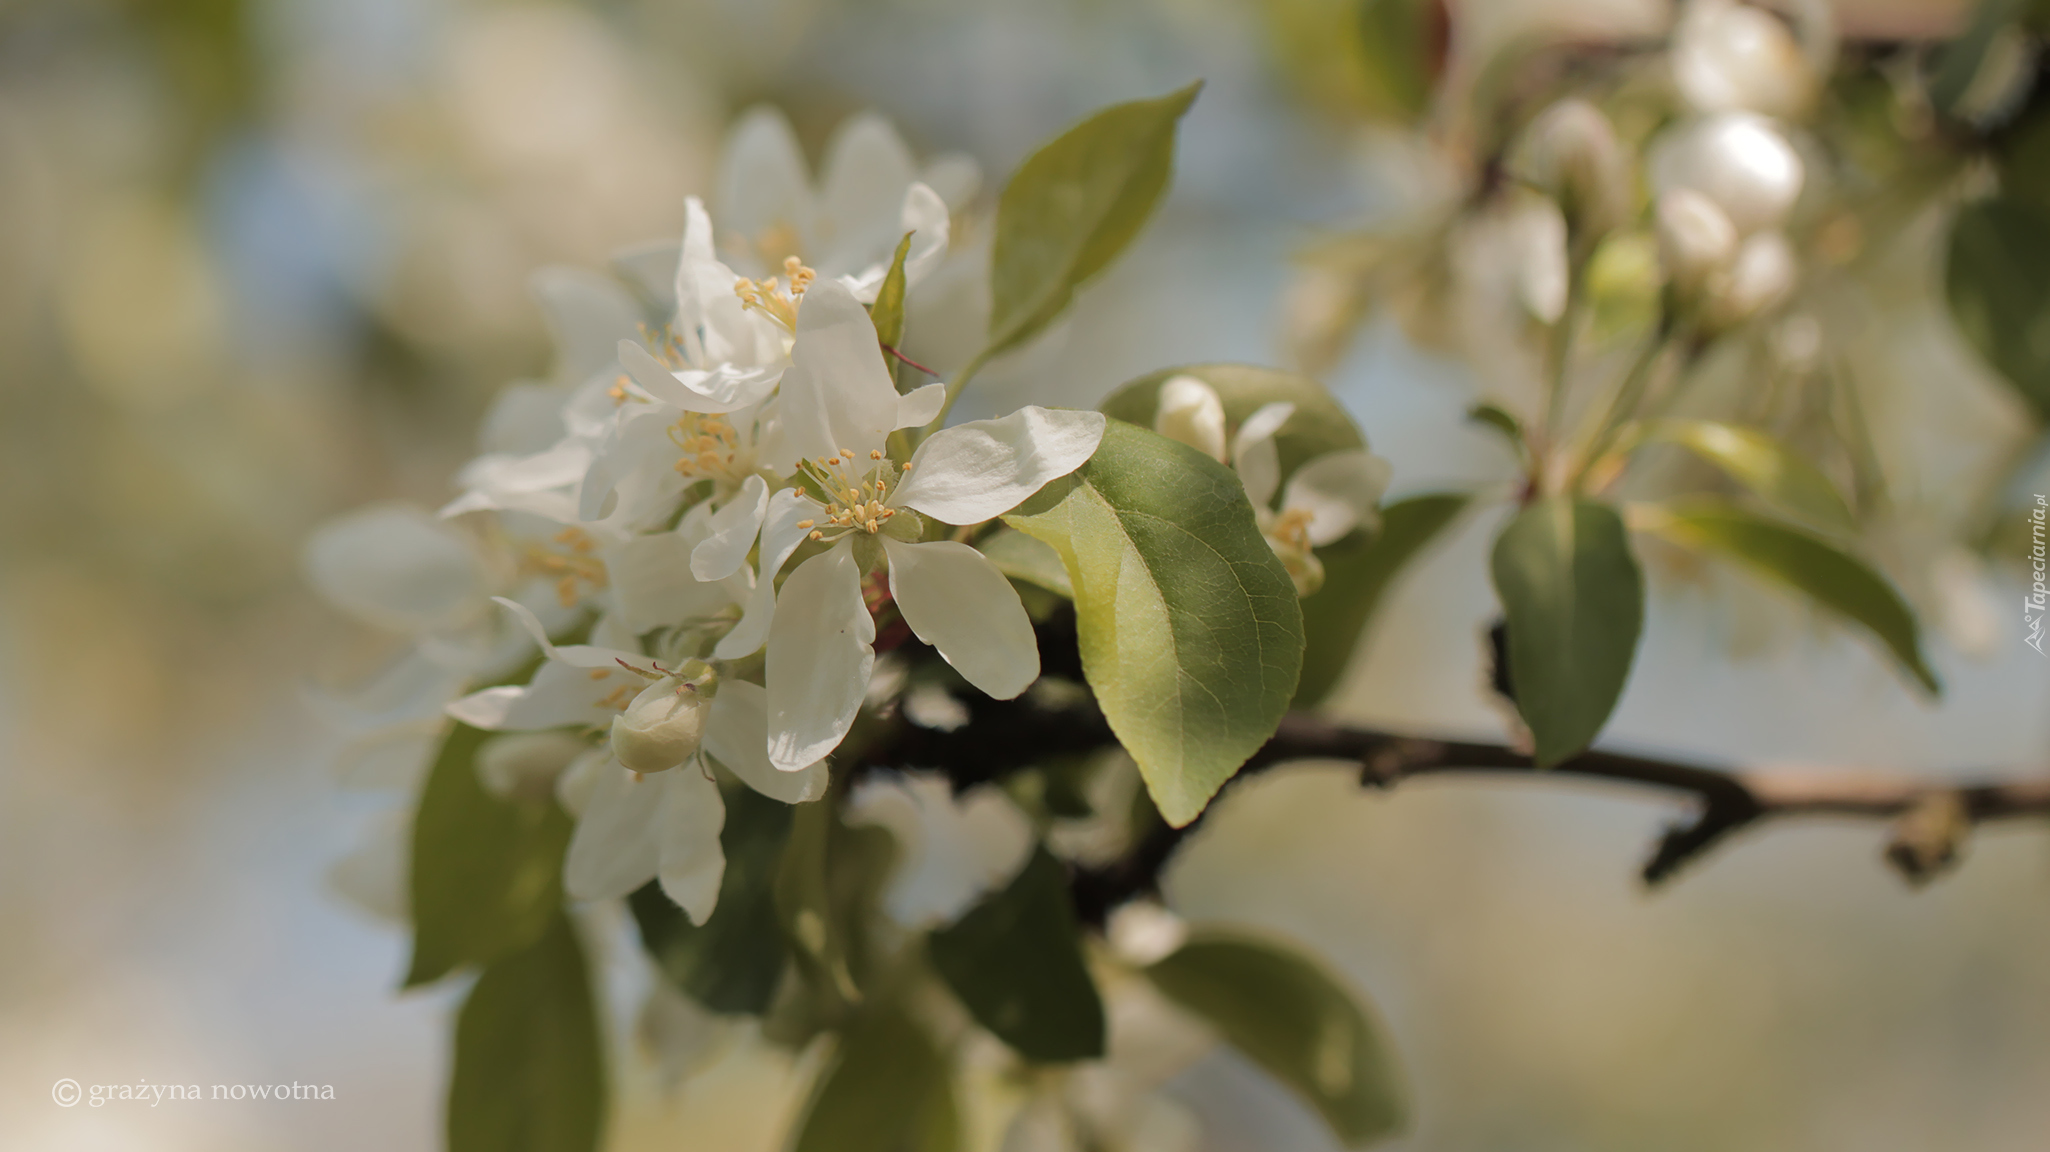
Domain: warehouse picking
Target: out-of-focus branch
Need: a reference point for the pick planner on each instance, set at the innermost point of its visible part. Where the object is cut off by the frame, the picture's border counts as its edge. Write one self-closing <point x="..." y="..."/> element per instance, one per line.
<point x="1932" y="816"/>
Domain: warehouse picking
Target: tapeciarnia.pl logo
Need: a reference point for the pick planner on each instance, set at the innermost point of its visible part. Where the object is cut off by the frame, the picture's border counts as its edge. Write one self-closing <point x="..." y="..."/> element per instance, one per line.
<point x="2038" y="599"/>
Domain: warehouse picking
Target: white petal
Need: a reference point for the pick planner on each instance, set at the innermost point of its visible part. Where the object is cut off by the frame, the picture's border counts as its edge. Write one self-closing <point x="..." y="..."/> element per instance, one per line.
<point x="862" y="185"/>
<point x="764" y="184"/>
<point x="1190" y="411"/>
<point x="738" y="737"/>
<point x="588" y="315"/>
<point x="957" y="601"/>
<point x="956" y="177"/>
<point x="652" y="583"/>
<point x="724" y="388"/>
<point x="651" y="267"/>
<point x="560" y="695"/>
<point x="526" y="417"/>
<point x="614" y="849"/>
<point x="819" y="659"/>
<point x="974" y="471"/>
<point x="635" y="440"/>
<point x="837" y="393"/>
<point x="925" y="216"/>
<point x="396" y="567"/>
<point x="1340" y="491"/>
<point x="780" y="537"/>
<point x="956" y="848"/>
<point x="690" y="861"/>
<point x="734" y="528"/>
<point x="921" y="406"/>
<point x="1254" y="454"/>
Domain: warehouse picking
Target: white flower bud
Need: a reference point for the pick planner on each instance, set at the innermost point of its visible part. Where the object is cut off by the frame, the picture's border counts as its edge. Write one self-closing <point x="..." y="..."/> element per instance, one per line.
<point x="662" y="727"/>
<point x="1732" y="57"/>
<point x="1191" y="413"/>
<point x="1761" y="276"/>
<point x="1538" y="233"/>
<point x="1696" y="240"/>
<point x="1740" y="161"/>
<point x="1570" y="153"/>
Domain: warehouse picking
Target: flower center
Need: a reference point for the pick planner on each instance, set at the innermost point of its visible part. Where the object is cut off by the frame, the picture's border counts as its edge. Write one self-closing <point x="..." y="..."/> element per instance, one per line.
<point x="571" y="564"/>
<point x="1292" y="528"/>
<point x="709" y="445"/>
<point x="854" y="498"/>
<point x="771" y="299"/>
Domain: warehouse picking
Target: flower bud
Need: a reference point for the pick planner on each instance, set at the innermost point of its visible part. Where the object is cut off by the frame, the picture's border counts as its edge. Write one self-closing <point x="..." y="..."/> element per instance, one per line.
<point x="1696" y="240"/>
<point x="1191" y="412"/>
<point x="1761" y="276"/>
<point x="1740" y="161"/>
<point x="1570" y="153"/>
<point x="662" y="727"/>
<point x="1732" y="57"/>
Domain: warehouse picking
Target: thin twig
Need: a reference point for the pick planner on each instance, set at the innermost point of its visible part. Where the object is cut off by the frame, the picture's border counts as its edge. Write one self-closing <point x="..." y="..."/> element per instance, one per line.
<point x="892" y="350"/>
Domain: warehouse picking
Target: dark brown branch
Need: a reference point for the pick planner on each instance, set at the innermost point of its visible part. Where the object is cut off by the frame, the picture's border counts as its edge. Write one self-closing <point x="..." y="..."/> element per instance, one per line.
<point x="1933" y="815"/>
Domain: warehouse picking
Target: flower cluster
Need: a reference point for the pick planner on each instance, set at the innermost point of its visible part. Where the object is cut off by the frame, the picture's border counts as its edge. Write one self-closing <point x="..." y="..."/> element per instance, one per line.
<point x="720" y="499"/>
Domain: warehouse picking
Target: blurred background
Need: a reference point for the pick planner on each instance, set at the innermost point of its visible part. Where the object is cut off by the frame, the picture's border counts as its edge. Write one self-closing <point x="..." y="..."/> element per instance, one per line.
<point x="264" y="260"/>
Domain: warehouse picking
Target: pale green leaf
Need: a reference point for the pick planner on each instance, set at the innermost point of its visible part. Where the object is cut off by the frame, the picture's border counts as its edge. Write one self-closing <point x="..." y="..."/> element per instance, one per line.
<point x="1015" y="960"/>
<point x="1073" y="206"/>
<point x="1357" y="571"/>
<point x="486" y="872"/>
<point x="1296" y="1020"/>
<point x="1829" y="576"/>
<point x="1022" y="557"/>
<point x="1190" y="633"/>
<point x="888" y="310"/>
<point x="1998" y="279"/>
<point x="529" y="1066"/>
<point x="1575" y="604"/>
<point x="1776" y="473"/>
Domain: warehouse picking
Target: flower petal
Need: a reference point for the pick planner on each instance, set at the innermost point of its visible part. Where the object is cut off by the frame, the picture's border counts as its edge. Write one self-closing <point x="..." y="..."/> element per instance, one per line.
<point x="634" y="440"/>
<point x="866" y="169"/>
<point x="925" y="216"/>
<point x="957" y="601"/>
<point x="1341" y="491"/>
<point x="614" y="849"/>
<point x="780" y="537"/>
<point x="1190" y="411"/>
<point x="1254" y="454"/>
<point x="588" y="314"/>
<point x="974" y="471"/>
<point x="921" y="406"/>
<point x="738" y="737"/>
<point x="395" y="566"/>
<point x="734" y="528"/>
<point x="764" y="185"/>
<point x="837" y="393"/>
<point x="819" y="659"/>
<point x="720" y="389"/>
<point x="559" y="695"/>
<point x="652" y="582"/>
<point x="689" y="859"/>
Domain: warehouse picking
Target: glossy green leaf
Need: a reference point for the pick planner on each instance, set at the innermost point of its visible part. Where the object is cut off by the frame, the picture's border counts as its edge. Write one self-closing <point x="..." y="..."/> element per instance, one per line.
<point x="1318" y="425"/>
<point x="1357" y="572"/>
<point x="529" y="1065"/>
<point x="1998" y="279"/>
<point x="1190" y="633"/>
<point x="486" y="872"/>
<point x="733" y="962"/>
<point x="1027" y="558"/>
<point x="1776" y="473"/>
<point x="888" y="310"/>
<point x="1575" y="603"/>
<point x="1296" y="1020"/>
<point x="1073" y="206"/>
<point x="1016" y="961"/>
<point x="886" y="1090"/>
<point x="1829" y="576"/>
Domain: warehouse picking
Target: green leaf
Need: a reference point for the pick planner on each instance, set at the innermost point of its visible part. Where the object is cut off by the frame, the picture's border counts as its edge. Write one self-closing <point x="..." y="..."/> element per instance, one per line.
<point x="1016" y="961"/>
<point x="1318" y="425"/>
<point x="888" y="310"/>
<point x="886" y="1090"/>
<point x="1404" y="50"/>
<point x="1357" y="571"/>
<point x="529" y="1067"/>
<point x="486" y="873"/>
<point x="1960" y="62"/>
<point x="1073" y="206"/>
<point x="1575" y="603"/>
<point x="733" y="962"/>
<point x="1497" y="417"/>
<point x="1190" y="633"/>
<point x="1297" y="1021"/>
<point x="1803" y="562"/>
<point x="1775" y="472"/>
<point x="825" y="892"/>
<point x="1998" y="279"/>
<point x="1023" y="557"/>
